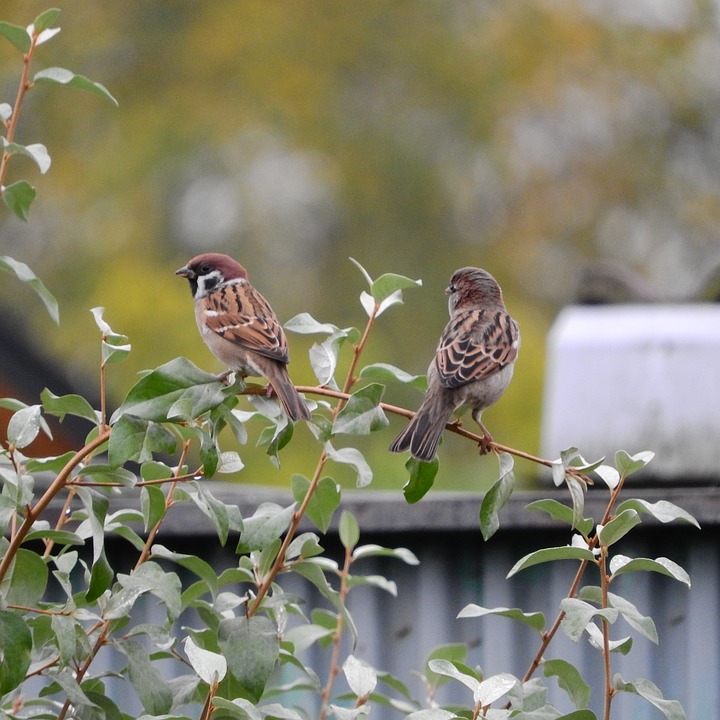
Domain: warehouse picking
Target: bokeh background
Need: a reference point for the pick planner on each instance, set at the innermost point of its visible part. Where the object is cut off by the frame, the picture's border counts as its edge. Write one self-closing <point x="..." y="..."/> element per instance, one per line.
<point x="571" y="147"/>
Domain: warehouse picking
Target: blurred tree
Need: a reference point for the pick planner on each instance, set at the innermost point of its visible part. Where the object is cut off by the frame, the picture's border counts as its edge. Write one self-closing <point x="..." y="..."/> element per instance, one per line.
<point x="417" y="136"/>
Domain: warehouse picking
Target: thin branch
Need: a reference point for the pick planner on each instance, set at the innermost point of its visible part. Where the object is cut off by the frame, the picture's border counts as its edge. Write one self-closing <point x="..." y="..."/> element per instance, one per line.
<point x="57" y="485"/>
<point x="592" y="543"/>
<point x="606" y="635"/>
<point x="298" y="515"/>
<point x="23" y="86"/>
<point x="334" y="670"/>
<point x="169" y="502"/>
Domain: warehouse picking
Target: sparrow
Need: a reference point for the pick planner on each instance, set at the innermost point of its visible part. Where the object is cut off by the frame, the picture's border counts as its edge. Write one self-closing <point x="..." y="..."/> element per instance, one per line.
<point x="473" y="363"/>
<point x="239" y="326"/>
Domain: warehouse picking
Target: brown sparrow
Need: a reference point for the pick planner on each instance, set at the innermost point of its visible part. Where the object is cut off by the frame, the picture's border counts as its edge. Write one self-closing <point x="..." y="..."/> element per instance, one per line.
<point x="473" y="363"/>
<point x="239" y="326"/>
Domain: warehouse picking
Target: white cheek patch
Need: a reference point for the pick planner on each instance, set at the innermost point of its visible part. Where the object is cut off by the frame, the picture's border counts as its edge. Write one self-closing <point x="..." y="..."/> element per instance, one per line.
<point x="207" y="283"/>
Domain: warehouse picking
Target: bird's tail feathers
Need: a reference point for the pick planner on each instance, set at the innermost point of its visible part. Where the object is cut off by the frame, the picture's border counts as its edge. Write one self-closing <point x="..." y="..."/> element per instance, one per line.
<point x="294" y="406"/>
<point x="422" y="434"/>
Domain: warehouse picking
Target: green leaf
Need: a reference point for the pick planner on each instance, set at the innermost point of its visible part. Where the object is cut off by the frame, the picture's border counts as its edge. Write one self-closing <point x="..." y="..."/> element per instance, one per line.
<point x="385" y="291"/>
<point x="386" y="373"/>
<point x="209" y="453"/>
<point x="26" y="580"/>
<point x="618" y="527"/>
<point x="224" y="517"/>
<point x="19" y="196"/>
<point x="237" y="708"/>
<point x="101" y="576"/>
<point x="570" y="680"/>
<point x="364" y="272"/>
<point x="622" y="646"/>
<point x="306" y="324"/>
<point x="362" y="414"/>
<point x="453" y="652"/>
<point x="566" y="552"/>
<point x="251" y="647"/>
<point x="304" y="545"/>
<point x="372" y="550"/>
<point x="577" y="495"/>
<point x="264" y="526"/>
<point x="60" y="406"/>
<point x="134" y="438"/>
<point x="152" y="690"/>
<point x="24" y="273"/>
<point x="65" y="678"/>
<point x="456" y="671"/>
<point x="17" y="35"/>
<point x="49" y="464"/>
<point x="193" y="563"/>
<point x="64" y="627"/>
<point x="610" y="476"/>
<point x="432" y="714"/>
<point x="176" y="390"/>
<point x="496" y="497"/>
<point x="671" y="709"/>
<point x="106" y="474"/>
<point x="629" y="464"/>
<point x="37" y="152"/>
<point x="324" y="358"/>
<point x="354" y="458"/>
<point x="661" y="510"/>
<point x="579" y="614"/>
<point x="15" y="649"/>
<point x="61" y="76"/>
<point x="59" y="537"/>
<point x="388" y="284"/>
<point x="642" y="623"/>
<point x="322" y="504"/>
<point x="154" y="470"/>
<point x="620" y="564"/>
<point x="230" y="462"/>
<point x="152" y="505"/>
<point x="360" y="676"/>
<point x="115" y="346"/>
<point x="422" y="477"/>
<point x="210" y="666"/>
<point x="535" y="620"/>
<point x="349" y="530"/>
<point x="24" y="426"/>
<point x="149" y="577"/>
<point x="45" y="19"/>
<point x="563" y="513"/>
<point x="494" y="687"/>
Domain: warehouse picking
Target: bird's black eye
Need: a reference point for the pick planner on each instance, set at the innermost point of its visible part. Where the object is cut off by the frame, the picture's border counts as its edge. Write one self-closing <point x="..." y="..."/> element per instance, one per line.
<point x="204" y="269"/>
<point x="452" y="287"/>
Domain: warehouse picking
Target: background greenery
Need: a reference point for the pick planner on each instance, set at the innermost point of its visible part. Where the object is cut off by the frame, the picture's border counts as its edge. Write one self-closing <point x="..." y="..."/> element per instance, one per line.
<point x="416" y="136"/>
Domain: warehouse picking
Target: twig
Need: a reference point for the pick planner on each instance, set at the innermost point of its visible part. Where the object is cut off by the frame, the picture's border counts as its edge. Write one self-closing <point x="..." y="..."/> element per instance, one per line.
<point x="337" y="638"/>
<point x="23" y="86"/>
<point x="57" y="485"/>
<point x="298" y="515"/>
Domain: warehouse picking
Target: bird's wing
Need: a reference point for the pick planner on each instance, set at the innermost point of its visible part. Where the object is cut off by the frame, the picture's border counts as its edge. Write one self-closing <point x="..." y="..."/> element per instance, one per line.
<point x="240" y="314"/>
<point x="475" y="344"/>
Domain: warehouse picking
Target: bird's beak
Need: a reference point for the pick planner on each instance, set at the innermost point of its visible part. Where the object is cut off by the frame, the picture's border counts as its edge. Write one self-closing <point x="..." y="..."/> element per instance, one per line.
<point x="185" y="272"/>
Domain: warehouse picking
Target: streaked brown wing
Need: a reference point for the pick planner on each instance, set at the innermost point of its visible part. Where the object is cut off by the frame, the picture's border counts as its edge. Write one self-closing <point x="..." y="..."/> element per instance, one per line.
<point x="474" y="345"/>
<point x="240" y="314"/>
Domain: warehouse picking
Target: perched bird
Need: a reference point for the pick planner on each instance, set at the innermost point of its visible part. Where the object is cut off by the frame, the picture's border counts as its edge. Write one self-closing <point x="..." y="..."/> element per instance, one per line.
<point x="240" y="327"/>
<point x="473" y="363"/>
